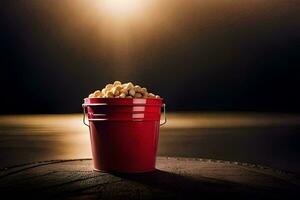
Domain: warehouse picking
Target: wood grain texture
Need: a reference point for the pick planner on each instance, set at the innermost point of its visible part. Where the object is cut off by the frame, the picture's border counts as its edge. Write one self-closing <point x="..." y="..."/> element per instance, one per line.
<point x="175" y="178"/>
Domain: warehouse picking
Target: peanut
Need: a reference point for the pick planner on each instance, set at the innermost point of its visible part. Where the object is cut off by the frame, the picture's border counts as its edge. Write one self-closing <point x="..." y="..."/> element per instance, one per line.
<point x="97" y="93"/>
<point x="117" y="83"/>
<point x="129" y="86"/>
<point x="144" y="90"/>
<point x="138" y="89"/>
<point x="145" y="94"/>
<point x="151" y="95"/>
<point x="118" y="87"/>
<point x="132" y="92"/>
<point x="116" y="90"/>
<point x="108" y="86"/>
<point x="109" y="94"/>
<point x="138" y="95"/>
<point x="122" y="95"/>
<point x="124" y="91"/>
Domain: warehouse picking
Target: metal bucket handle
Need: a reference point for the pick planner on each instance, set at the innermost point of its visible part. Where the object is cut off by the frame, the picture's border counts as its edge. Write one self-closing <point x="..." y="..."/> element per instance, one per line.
<point x="83" y="107"/>
<point x="84" y="113"/>
<point x="165" y="117"/>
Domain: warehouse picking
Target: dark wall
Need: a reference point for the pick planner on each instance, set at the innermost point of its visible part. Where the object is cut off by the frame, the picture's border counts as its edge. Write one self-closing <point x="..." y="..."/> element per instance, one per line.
<point x="198" y="55"/>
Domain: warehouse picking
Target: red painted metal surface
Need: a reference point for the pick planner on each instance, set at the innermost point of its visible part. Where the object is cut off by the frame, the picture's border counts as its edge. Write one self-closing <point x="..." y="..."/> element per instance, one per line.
<point x="124" y="133"/>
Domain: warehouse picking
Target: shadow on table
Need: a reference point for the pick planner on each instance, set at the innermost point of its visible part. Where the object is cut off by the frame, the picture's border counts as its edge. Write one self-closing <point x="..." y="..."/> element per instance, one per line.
<point x="181" y="186"/>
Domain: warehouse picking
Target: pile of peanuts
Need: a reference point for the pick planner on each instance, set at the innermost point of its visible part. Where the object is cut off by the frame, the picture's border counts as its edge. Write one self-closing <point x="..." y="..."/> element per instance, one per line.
<point x="125" y="90"/>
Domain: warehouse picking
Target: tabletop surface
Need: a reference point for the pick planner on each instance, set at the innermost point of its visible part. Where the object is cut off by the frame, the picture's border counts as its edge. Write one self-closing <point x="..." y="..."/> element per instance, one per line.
<point x="267" y="139"/>
<point x="174" y="178"/>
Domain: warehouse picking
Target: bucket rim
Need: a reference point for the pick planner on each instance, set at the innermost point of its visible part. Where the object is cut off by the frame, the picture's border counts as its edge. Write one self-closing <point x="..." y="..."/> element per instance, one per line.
<point x="122" y="101"/>
<point x="121" y="98"/>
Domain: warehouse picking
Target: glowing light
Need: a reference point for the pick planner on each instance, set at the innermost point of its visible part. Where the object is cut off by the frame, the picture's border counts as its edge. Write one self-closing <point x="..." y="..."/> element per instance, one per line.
<point x="122" y="8"/>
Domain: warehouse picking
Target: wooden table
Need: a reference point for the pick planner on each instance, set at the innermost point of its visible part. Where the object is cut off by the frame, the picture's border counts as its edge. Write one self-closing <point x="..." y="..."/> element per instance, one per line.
<point x="175" y="178"/>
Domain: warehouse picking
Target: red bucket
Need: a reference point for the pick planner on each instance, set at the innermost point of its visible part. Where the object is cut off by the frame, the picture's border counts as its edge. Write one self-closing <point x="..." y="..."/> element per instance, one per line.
<point x="124" y="133"/>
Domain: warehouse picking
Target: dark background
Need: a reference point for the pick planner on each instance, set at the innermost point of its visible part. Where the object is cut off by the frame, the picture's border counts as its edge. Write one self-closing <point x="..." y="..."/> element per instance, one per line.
<point x="212" y="55"/>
